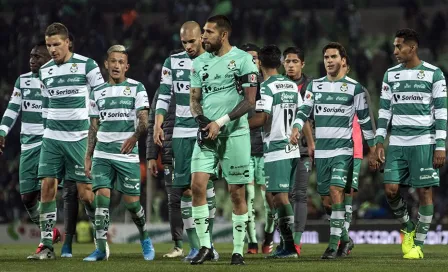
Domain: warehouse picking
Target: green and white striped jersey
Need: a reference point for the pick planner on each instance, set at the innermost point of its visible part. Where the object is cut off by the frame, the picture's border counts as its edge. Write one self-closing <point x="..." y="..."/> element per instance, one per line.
<point x="26" y="97"/>
<point x="176" y="78"/>
<point x="66" y="97"/>
<point x="416" y="101"/>
<point x="280" y="99"/>
<point x="334" y="104"/>
<point x="116" y="106"/>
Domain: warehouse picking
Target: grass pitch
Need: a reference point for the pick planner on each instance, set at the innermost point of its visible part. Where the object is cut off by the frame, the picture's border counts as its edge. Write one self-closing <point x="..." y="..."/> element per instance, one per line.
<point x="128" y="258"/>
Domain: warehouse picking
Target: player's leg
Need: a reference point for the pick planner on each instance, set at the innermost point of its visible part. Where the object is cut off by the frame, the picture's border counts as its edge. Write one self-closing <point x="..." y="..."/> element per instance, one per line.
<point x="70" y="197"/>
<point x="269" y="212"/>
<point x="250" y="196"/>
<point x="211" y="202"/>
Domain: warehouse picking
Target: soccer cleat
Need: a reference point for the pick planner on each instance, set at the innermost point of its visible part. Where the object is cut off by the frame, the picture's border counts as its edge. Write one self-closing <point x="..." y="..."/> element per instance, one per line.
<point x="285" y="254"/>
<point x="66" y="251"/>
<point x="148" y="249"/>
<point x="345" y="248"/>
<point x="415" y="253"/>
<point x="237" y="259"/>
<point x="204" y="254"/>
<point x="174" y="253"/>
<point x="56" y="236"/>
<point x="252" y="248"/>
<point x="107" y="247"/>
<point x="274" y="254"/>
<point x="329" y="254"/>
<point x="268" y="243"/>
<point x="44" y="253"/>
<point x="298" y="249"/>
<point x="407" y="243"/>
<point x="193" y="252"/>
<point x="215" y="255"/>
<point x="96" y="256"/>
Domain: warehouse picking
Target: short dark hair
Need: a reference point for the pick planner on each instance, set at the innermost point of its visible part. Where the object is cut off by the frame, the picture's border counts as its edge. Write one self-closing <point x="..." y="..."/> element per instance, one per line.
<point x="40" y="43"/>
<point x="250" y="47"/>
<point x="57" y="29"/>
<point x="408" y="35"/>
<point x="348" y="62"/>
<point x="71" y="45"/>
<point x="294" y="50"/>
<point x="222" y="22"/>
<point x="270" y="56"/>
<point x="338" y="46"/>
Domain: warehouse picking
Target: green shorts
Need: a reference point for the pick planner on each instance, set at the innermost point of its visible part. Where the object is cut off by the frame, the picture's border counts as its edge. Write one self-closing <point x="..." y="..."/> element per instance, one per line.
<point x="182" y="151"/>
<point x="256" y="170"/>
<point x="280" y="175"/>
<point x="233" y="153"/>
<point x="411" y="165"/>
<point x="65" y="160"/>
<point x="332" y="172"/>
<point x="127" y="174"/>
<point x="353" y="184"/>
<point x="29" y="165"/>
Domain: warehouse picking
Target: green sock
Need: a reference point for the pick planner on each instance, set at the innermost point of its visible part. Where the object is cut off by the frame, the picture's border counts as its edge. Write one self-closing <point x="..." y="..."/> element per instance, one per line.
<point x="336" y="224"/>
<point x="211" y="202"/>
<point x="251" y="229"/>
<point x="297" y="237"/>
<point x="179" y="243"/>
<point x="348" y="211"/>
<point x="400" y="210"/>
<point x="102" y="221"/>
<point x="34" y="213"/>
<point x="286" y="225"/>
<point x="276" y="223"/>
<point x="187" y="218"/>
<point x="138" y="216"/>
<point x="239" y="232"/>
<point x="47" y="222"/>
<point x="269" y="215"/>
<point x="200" y="215"/>
<point x="425" y="214"/>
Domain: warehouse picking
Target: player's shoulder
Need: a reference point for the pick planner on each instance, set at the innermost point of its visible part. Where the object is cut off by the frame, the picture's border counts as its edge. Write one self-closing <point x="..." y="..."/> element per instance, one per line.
<point x="429" y="66"/>
<point x="178" y="55"/>
<point x="395" y="68"/>
<point x="351" y="80"/>
<point x="132" y="82"/>
<point x="316" y="80"/>
<point x="26" y="75"/>
<point x="81" y="58"/>
<point x="48" y="64"/>
<point x="240" y="53"/>
<point x="100" y="87"/>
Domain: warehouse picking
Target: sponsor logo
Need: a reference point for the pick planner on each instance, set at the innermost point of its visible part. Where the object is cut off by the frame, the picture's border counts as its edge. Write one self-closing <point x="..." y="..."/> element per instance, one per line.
<point x="385" y="88"/>
<point x="330" y="98"/>
<point x="318" y="96"/>
<point x="28" y="82"/>
<point x="290" y="147"/>
<point x="101" y="103"/>
<point x="342" y="98"/>
<point x="421" y="74"/>
<point x="283" y="185"/>
<point x="397" y="76"/>
<point x="63" y="92"/>
<point x="396" y="85"/>
<point x="232" y="65"/>
<point x="16" y="94"/>
<point x="344" y="87"/>
<point x="103" y="93"/>
<point x="444" y="88"/>
<point x="74" y="80"/>
<point x="285" y="97"/>
<point x="340" y="170"/>
<point x="29" y="105"/>
<point x="320" y="86"/>
<point x="127" y="91"/>
<point x="79" y="173"/>
<point x="182" y="87"/>
<point x="403" y="97"/>
<point x="407" y="86"/>
<point x="117" y="114"/>
<point x="216" y="89"/>
<point x="204" y="76"/>
<point x="26" y="92"/>
<point x="252" y="78"/>
<point x="284" y="86"/>
<point x="50" y="71"/>
<point x="181" y="63"/>
<point x="113" y="103"/>
<point x="205" y="67"/>
<point x="423" y="177"/>
<point x="419" y="86"/>
<point x="231" y="75"/>
<point x="335" y="177"/>
<point x="126" y="102"/>
<point x="309" y="96"/>
<point x="74" y="68"/>
<point x="426" y="169"/>
<point x="61" y="81"/>
<point x="329" y="110"/>
<point x="180" y="73"/>
<point x="166" y="72"/>
<point x="49" y="81"/>
<point x="217" y="77"/>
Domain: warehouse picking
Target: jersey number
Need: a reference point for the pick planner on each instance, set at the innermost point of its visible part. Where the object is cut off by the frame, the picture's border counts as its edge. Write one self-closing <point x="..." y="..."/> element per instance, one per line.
<point x="288" y="117"/>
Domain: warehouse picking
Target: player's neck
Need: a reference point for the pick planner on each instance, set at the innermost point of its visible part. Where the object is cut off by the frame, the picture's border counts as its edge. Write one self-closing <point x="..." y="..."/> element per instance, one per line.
<point x="67" y="57"/>
<point x="113" y="81"/>
<point x="267" y="73"/>
<point x="296" y="77"/>
<point x="414" y="62"/>
<point x="225" y="48"/>
<point x="337" y="77"/>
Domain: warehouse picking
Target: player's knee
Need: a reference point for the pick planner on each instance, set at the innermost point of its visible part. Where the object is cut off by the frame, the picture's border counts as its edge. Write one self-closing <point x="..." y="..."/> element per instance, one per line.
<point x="70" y="191"/>
<point x="174" y="199"/>
<point x="391" y="192"/>
<point x="198" y="190"/>
<point x="237" y="197"/>
<point x="301" y="196"/>
<point x="29" y="200"/>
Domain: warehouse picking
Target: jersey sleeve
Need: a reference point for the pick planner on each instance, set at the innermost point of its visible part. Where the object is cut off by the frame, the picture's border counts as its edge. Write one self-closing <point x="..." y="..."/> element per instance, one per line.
<point x="363" y="113"/>
<point x="385" y="112"/>
<point x="12" y="111"/>
<point x="248" y="67"/>
<point x="93" y="74"/>
<point x="195" y="79"/>
<point x="166" y="83"/>
<point x="440" y="108"/>
<point x="45" y="101"/>
<point x="94" y="111"/>
<point x="141" y="99"/>
<point x="306" y="109"/>
<point x="266" y="101"/>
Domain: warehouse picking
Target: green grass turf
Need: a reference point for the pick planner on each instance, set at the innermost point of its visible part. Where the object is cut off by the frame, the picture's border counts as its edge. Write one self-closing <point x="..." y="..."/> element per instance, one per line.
<point x="128" y="258"/>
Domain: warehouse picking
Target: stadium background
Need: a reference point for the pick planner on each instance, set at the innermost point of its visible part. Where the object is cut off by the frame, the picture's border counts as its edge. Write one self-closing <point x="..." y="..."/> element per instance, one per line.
<point x="149" y="28"/>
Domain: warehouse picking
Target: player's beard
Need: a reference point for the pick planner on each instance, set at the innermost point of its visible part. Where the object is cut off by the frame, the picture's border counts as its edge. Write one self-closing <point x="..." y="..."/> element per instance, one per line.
<point x="212" y="48"/>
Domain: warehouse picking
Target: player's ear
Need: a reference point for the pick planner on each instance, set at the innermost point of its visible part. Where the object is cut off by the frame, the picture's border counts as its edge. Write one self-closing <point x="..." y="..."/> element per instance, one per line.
<point x="106" y="64"/>
<point x="127" y="67"/>
<point x="303" y="64"/>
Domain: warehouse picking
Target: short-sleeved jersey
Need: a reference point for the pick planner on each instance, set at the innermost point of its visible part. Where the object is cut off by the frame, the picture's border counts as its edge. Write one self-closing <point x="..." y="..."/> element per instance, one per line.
<point x="66" y="94"/>
<point x="26" y="97"/>
<point x="116" y="106"/>
<point x="279" y="99"/>
<point x="416" y="101"/>
<point x="215" y="75"/>
<point x="334" y="104"/>
<point x="176" y="78"/>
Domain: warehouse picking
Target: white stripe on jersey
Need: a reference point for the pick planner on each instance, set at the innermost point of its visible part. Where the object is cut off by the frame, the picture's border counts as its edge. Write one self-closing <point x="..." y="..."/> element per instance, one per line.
<point x="440" y="114"/>
<point x="324" y="154"/>
<point x="412" y="120"/>
<point x="183" y="111"/>
<point x="334" y="132"/>
<point x="118" y="157"/>
<point x="412" y="140"/>
<point x="412" y="98"/>
<point x="32" y="129"/>
<point x="181" y="63"/>
<point x="439" y="89"/>
<point x="34" y="106"/>
<point x="119" y="115"/>
<point x="281" y="155"/>
<point x="181" y="87"/>
<point x="387" y="114"/>
<point x="113" y="137"/>
<point x="265" y="103"/>
<point x="64" y="91"/>
<point x="162" y="105"/>
<point x="68" y="114"/>
<point x="405" y="75"/>
<point x="63" y="70"/>
<point x="65" y="136"/>
<point x="11" y="114"/>
<point x="334" y="87"/>
<point x="25" y="147"/>
<point x="181" y="132"/>
<point x="334" y="110"/>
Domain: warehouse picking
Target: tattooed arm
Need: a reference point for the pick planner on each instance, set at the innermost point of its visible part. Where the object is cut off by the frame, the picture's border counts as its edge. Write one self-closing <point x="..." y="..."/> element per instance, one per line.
<point x="93" y="130"/>
<point x="245" y="105"/>
<point x="142" y="128"/>
<point x="195" y="102"/>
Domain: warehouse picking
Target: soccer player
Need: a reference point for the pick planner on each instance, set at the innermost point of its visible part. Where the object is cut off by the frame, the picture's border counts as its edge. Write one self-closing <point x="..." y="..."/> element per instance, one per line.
<point x="26" y="97"/>
<point x="257" y="176"/>
<point x="294" y="62"/>
<point x="414" y="97"/>
<point x="275" y="111"/>
<point x="334" y="100"/>
<point x="118" y="117"/>
<point x="221" y="112"/>
<point x="175" y="75"/>
<point x="66" y="81"/>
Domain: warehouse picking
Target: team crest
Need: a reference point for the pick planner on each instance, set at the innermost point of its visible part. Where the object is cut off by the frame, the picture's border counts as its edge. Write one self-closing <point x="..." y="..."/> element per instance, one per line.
<point x="74" y="68"/>
<point x="127" y="91"/>
<point x="232" y="65"/>
<point x="344" y="87"/>
<point x="16" y="94"/>
<point x="309" y="96"/>
<point x="421" y="74"/>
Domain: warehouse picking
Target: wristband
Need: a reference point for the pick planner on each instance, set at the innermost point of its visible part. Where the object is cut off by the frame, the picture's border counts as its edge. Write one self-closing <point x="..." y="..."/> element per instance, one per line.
<point x="222" y="121"/>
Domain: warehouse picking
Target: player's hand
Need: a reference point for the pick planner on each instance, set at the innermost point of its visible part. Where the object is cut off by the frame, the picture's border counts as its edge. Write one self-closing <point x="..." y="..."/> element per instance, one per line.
<point x="213" y="130"/>
<point x="88" y="167"/>
<point x="159" y="136"/>
<point x="128" y="145"/>
<point x="2" y="144"/>
<point x="439" y="158"/>
<point x="373" y="159"/>
<point x="311" y="149"/>
<point x="295" y="135"/>
<point x="152" y="166"/>
<point x="379" y="151"/>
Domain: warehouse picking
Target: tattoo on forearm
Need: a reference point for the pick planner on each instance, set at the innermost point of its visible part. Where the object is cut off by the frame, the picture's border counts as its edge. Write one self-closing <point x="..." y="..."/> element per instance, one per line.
<point x="93" y="130"/>
<point x="142" y="126"/>
<point x="195" y="102"/>
<point x="245" y="105"/>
